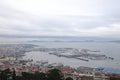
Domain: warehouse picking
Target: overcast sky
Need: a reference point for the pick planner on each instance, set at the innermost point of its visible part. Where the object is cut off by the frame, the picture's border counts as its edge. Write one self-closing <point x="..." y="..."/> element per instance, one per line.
<point x="96" y="18"/>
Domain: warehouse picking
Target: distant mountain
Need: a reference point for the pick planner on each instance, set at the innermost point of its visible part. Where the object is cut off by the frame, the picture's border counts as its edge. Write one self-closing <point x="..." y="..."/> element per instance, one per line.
<point x="117" y="41"/>
<point x="62" y="38"/>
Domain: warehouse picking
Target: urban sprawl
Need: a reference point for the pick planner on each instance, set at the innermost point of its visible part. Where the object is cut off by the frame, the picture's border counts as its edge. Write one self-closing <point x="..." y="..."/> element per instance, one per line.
<point x="11" y="57"/>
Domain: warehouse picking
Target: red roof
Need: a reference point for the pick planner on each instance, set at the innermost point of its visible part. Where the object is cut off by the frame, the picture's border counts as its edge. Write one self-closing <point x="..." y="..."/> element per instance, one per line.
<point x="66" y="70"/>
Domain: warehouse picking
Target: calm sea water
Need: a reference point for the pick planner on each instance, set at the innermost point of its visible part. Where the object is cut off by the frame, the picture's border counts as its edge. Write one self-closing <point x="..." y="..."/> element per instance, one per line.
<point x="109" y="49"/>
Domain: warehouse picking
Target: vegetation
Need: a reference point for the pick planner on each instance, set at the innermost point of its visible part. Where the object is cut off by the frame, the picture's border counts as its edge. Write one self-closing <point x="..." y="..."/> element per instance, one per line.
<point x="53" y="74"/>
<point x="69" y="78"/>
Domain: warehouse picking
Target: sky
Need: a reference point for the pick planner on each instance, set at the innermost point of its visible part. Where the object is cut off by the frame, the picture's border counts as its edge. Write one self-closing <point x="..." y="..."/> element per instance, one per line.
<point x="82" y="18"/>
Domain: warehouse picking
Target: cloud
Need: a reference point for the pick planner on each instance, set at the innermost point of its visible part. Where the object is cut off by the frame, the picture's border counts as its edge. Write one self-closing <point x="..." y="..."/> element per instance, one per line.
<point x="62" y="18"/>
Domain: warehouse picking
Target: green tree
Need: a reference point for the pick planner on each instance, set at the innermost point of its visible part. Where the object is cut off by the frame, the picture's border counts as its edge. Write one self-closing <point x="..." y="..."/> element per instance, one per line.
<point x="27" y="76"/>
<point x="13" y="74"/>
<point x="55" y="74"/>
<point x="34" y="76"/>
<point x="6" y="74"/>
<point x="19" y="78"/>
<point x="39" y="76"/>
<point x="69" y="78"/>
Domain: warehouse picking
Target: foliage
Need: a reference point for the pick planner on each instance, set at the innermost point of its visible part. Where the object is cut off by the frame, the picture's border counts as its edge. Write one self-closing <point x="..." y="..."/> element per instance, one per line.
<point x="5" y="75"/>
<point x="69" y="78"/>
<point x="53" y="74"/>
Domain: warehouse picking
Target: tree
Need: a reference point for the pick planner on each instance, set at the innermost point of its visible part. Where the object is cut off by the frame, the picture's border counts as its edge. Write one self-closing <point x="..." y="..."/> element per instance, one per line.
<point x="39" y="76"/>
<point x="69" y="78"/>
<point x="19" y="78"/>
<point x="13" y="74"/>
<point x="27" y="76"/>
<point x="55" y="74"/>
<point x="33" y="76"/>
<point x="6" y="74"/>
